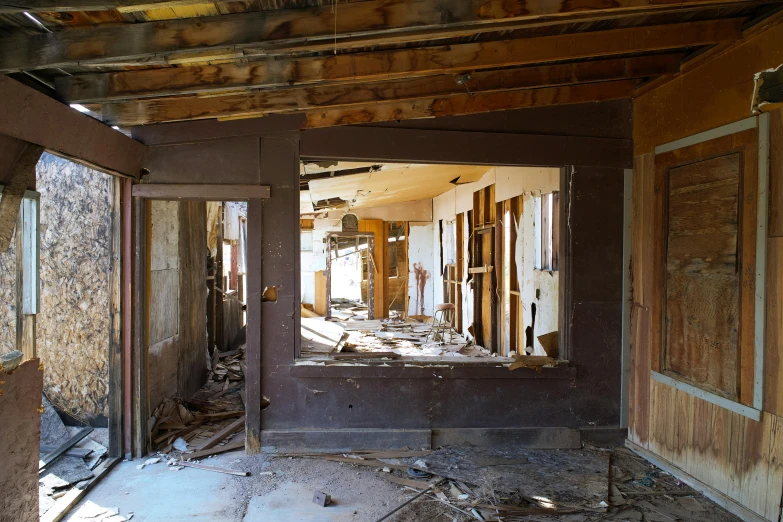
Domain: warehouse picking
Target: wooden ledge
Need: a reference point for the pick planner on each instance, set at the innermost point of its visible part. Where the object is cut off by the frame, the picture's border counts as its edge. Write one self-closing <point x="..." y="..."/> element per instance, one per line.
<point x="201" y="192"/>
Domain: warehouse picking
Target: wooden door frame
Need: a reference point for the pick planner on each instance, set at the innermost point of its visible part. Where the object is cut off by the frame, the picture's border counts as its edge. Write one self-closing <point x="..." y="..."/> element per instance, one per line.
<point x="371" y="272"/>
<point x="138" y="196"/>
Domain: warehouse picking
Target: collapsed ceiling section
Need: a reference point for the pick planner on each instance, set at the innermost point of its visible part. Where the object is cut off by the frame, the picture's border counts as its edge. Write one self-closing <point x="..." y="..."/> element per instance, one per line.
<point x="348" y="185"/>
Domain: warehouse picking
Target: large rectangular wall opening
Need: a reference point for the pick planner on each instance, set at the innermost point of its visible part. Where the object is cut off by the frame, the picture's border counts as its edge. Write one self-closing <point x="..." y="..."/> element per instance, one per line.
<point x="438" y="262"/>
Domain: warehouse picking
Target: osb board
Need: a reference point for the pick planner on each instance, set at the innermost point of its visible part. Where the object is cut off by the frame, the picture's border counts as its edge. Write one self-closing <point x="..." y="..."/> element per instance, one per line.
<point x="716" y="93"/>
<point x="737" y="456"/>
<point x="164" y="242"/>
<point x="702" y="284"/>
<point x="8" y="299"/>
<point x="74" y="323"/>
<point x="20" y="433"/>
<point x="164" y="305"/>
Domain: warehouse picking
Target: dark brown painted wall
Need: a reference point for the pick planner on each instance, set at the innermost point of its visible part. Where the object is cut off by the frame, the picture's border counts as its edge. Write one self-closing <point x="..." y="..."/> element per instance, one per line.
<point x="263" y="151"/>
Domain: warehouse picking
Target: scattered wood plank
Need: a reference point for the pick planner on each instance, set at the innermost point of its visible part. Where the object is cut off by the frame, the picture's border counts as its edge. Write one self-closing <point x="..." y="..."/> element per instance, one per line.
<point x="395" y="454"/>
<point x="231" y="446"/>
<point x="411" y="483"/>
<point x="220" y="415"/>
<point x="178" y="433"/>
<point x="73" y="452"/>
<point x="71" y="498"/>
<point x="227" y="471"/>
<point x="62" y="448"/>
<point x="364" y="355"/>
<point x="222" y="434"/>
<point x="387" y="65"/>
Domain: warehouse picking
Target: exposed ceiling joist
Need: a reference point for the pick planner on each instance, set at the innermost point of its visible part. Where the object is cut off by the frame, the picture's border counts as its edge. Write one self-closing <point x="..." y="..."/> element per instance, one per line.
<point x="143" y="112"/>
<point x="373" y="22"/>
<point x="392" y="64"/>
<point x="124" y="6"/>
<point x="472" y="104"/>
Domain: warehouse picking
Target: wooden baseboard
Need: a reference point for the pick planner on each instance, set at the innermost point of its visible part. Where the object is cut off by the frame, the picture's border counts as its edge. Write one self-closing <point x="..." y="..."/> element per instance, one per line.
<point x="342" y="440"/>
<point x="716" y="496"/>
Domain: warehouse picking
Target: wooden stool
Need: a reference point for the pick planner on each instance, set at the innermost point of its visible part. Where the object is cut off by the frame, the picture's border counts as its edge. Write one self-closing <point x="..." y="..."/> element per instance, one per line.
<point x="442" y="323"/>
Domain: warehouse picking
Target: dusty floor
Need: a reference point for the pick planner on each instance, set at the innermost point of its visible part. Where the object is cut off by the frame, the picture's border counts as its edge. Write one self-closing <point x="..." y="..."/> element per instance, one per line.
<point x="280" y="489"/>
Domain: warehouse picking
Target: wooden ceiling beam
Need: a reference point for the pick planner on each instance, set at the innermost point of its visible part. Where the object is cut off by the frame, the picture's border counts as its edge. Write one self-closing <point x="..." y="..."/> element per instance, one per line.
<point x="98" y="88"/>
<point x="471" y="104"/>
<point x="359" y="24"/>
<point x="144" y="112"/>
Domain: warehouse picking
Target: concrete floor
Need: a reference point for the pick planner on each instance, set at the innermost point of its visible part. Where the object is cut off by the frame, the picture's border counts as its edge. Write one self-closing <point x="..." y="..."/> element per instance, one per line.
<point x="158" y="494"/>
<point x="281" y="490"/>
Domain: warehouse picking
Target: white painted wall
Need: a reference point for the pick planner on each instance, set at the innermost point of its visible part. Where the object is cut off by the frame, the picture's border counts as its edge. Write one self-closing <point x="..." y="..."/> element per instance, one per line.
<point x="421" y="254"/>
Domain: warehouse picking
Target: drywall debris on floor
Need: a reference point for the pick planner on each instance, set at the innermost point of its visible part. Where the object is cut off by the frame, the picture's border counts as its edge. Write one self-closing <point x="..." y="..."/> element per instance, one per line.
<point x="68" y="472"/>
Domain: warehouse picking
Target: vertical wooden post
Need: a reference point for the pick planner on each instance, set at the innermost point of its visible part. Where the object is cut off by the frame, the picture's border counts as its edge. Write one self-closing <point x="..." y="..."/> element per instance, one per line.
<point x="115" y="333"/>
<point x="564" y="264"/>
<point x="127" y="315"/>
<point x="211" y="274"/>
<point x="27" y="273"/>
<point x="220" y="287"/>
<point x="255" y="243"/>
<point x="141" y="220"/>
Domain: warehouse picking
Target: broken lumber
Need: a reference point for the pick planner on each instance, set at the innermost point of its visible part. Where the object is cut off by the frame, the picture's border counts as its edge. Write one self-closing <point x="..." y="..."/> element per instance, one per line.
<point x="65" y="503"/>
<point x="222" y="434"/>
<point x="227" y="471"/>
<point x="73" y="452"/>
<point x="62" y="448"/>
<point x="365" y="355"/>
<point x="231" y="446"/>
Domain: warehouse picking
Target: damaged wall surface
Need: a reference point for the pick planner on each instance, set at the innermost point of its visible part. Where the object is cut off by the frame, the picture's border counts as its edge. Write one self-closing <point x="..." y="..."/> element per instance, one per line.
<point x="73" y="326"/>
<point x="177" y="306"/>
<point x="734" y="452"/>
<point x="20" y="432"/>
<point x="353" y="398"/>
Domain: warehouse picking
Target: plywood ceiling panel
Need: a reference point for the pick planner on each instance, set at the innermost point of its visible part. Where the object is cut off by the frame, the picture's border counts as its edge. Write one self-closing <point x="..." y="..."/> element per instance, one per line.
<point x="395" y="184"/>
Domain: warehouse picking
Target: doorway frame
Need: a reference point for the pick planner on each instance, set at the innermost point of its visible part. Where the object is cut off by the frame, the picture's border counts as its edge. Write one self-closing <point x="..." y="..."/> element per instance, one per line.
<point x="371" y="273"/>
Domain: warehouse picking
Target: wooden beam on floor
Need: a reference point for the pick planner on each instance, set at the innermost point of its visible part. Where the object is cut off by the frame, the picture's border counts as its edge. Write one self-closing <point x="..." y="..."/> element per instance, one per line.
<point x="31" y="116"/>
<point x="144" y="112"/>
<point x="359" y="24"/>
<point x="392" y="64"/>
<point x="472" y="104"/>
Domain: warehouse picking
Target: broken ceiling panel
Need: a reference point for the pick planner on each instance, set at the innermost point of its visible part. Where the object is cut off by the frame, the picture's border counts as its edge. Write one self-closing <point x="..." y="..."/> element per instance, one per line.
<point x="394" y="184"/>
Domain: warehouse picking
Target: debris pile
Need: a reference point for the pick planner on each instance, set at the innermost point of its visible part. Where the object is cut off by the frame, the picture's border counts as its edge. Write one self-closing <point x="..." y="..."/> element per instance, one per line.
<point x="574" y="485"/>
<point x="71" y="462"/>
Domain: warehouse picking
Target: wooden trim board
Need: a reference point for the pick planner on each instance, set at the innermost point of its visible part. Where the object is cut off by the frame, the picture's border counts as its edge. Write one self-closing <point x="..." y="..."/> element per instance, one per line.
<point x="716" y="496"/>
<point x="723" y="402"/>
<point x="195" y="192"/>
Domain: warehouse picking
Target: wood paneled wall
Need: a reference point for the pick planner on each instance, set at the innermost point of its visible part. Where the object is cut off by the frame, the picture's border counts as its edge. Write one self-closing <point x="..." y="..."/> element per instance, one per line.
<point x="381" y="267"/>
<point x="735" y="455"/>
